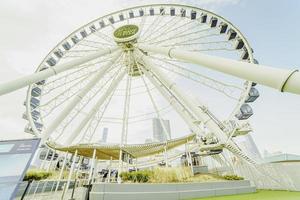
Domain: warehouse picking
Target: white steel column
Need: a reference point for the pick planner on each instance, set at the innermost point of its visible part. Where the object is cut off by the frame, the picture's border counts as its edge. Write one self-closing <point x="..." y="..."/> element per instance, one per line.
<point x="95" y="170"/>
<point x="186" y="116"/>
<point x="124" y="126"/>
<point x="126" y="113"/>
<point x="92" y="165"/>
<point x="51" y="71"/>
<point x="120" y="166"/>
<point x="43" y="162"/>
<point x="96" y="107"/>
<point x="51" y="160"/>
<point x="166" y="132"/>
<point x="166" y="156"/>
<point x="281" y="79"/>
<point x="109" y="169"/>
<point x="190" y="157"/>
<point x="199" y="110"/>
<point x="71" y="171"/>
<point x="77" y="98"/>
<point x="180" y="95"/>
<point x="61" y="171"/>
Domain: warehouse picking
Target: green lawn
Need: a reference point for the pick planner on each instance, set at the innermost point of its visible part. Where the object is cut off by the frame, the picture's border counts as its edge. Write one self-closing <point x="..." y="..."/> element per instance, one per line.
<point x="260" y="195"/>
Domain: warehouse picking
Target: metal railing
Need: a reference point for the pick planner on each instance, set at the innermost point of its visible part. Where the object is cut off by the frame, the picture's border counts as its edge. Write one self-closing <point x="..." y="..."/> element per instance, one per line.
<point x="52" y="189"/>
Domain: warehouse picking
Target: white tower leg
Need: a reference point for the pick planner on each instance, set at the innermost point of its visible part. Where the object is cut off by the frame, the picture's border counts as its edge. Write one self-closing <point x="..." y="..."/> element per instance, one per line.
<point x="201" y="114"/>
<point x="180" y="95"/>
<point x="51" y="71"/>
<point x="281" y="79"/>
<point x="92" y="166"/>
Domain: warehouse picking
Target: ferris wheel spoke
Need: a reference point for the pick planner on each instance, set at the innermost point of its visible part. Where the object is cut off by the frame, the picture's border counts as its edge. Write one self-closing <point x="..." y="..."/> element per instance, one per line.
<point x="164" y="26"/>
<point x="165" y="29"/>
<point x="96" y="107"/>
<point x="142" y="23"/>
<point x="166" y="132"/>
<point x="190" y="41"/>
<point x="178" y="36"/>
<point x="59" y="100"/>
<point x="83" y="103"/>
<point x="105" y="37"/>
<point x="97" y="42"/>
<point x="63" y="81"/>
<point x="182" y="30"/>
<point x="166" y="34"/>
<point x="150" y="28"/>
<point x="185" y="44"/>
<point x="149" y="116"/>
<point x="79" y="96"/>
<point x="83" y="69"/>
<point x="67" y="93"/>
<point x="94" y="123"/>
<point x="229" y="90"/>
<point x="84" y="45"/>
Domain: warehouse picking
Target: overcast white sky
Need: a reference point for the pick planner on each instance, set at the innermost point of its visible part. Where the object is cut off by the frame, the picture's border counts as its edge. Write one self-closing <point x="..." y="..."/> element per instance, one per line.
<point x="30" y="29"/>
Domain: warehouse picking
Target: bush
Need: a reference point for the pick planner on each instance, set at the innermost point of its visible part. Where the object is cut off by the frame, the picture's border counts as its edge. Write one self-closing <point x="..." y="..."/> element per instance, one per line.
<point x="137" y="176"/>
<point x="232" y="177"/>
<point x="36" y="175"/>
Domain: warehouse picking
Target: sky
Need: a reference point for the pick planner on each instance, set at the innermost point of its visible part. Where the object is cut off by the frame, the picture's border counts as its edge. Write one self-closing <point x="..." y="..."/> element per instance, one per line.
<point x="30" y="29"/>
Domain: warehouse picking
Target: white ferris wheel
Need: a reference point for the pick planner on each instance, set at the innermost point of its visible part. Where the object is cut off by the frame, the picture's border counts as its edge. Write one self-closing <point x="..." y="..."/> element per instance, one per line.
<point x="163" y="61"/>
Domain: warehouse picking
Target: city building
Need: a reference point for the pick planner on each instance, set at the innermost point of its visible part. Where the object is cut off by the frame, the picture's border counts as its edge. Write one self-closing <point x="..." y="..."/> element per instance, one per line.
<point x="158" y="129"/>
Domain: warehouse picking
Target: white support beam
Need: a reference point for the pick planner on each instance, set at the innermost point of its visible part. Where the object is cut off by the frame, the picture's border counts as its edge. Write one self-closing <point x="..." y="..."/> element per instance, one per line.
<point x="282" y="79"/>
<point x="201" y="114"/>
<point x="61" y="171"/>
<point x="71" y="171"/>
<point x="96" y="107"/>
<point x="92" y="166"/>
<point x="126" y="112"/>
<point x="51" y="71"/>
<point x="76" y="99"/>
<point x="194" y="107"/>
<point x="186" y="116"/>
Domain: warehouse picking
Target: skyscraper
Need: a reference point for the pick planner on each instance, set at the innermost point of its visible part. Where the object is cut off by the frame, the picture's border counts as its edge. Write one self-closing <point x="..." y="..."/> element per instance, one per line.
<point x="158" y="130"/>
<point x="104" y="135"/>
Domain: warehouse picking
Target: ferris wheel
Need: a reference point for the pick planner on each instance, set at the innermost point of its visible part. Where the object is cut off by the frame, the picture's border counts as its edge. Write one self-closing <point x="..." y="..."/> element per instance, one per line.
<point x="110" y="73"/>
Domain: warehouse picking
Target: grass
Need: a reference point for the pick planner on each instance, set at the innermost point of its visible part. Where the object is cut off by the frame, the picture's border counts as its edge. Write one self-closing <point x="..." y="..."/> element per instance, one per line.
<point x="260" y="195"/>
<point x="170" y="175"/>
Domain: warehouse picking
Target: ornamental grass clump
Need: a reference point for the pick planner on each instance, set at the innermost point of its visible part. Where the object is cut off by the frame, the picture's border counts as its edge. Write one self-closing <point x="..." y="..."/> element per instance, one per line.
<point x="232" y="177"/>
<point x="171" y="175"/>
<point x="36" y="175"/>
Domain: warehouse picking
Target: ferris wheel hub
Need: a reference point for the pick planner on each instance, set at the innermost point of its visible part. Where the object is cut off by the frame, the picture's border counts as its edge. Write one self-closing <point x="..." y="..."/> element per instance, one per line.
<point x="127" y="34"/>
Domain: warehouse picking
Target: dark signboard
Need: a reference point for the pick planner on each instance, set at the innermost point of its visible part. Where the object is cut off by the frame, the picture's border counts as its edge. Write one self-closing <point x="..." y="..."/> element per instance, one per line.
<point x="15" y="159"/>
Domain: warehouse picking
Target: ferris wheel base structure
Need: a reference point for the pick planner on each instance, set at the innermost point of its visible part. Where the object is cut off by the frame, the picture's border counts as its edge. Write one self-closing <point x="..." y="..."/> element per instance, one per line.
<point x="282" y="79"/>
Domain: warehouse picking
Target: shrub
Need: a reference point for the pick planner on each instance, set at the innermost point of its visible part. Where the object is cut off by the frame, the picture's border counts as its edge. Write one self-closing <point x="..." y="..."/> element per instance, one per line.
<point x="36" y="175"/>
<point x="232" y="177"/>
<point x="137" y="176"/>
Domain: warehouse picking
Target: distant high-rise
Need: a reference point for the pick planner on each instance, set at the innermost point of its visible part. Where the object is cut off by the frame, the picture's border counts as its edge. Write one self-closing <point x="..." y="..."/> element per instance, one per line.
<point x="104" y="135"/>
<point x="158" y="130"/>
